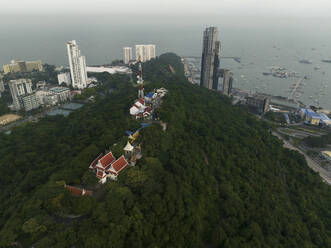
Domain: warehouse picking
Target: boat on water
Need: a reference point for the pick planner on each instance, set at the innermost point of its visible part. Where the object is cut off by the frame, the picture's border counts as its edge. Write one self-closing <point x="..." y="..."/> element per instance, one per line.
<point x="266" y="73"/>
<point x="305" y="61"/>
<point x="326" y="60"/>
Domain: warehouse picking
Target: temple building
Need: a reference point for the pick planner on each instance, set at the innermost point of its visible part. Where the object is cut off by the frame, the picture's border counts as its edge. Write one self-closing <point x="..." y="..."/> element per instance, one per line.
<point x="108" y="167"/>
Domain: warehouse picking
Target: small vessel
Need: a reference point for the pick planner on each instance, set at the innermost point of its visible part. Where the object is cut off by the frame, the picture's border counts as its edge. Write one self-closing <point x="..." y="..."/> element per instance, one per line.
<point x="317" y="68"/>
<point x="305" y="61"/>
<point x="326" y="60"/>
<point x="266" y="73"/>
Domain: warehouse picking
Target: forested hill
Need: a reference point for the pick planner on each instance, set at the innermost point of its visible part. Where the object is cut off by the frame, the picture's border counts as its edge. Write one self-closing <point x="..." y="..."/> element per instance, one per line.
<point x="214" y="178"/>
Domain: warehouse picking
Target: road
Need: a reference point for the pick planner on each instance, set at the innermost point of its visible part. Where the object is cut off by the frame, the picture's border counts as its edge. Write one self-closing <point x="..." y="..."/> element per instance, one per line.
<point x="324" y="174"/>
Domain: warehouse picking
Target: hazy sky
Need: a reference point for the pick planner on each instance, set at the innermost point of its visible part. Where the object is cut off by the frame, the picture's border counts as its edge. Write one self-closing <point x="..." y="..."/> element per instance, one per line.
<point x="296" y="8"/>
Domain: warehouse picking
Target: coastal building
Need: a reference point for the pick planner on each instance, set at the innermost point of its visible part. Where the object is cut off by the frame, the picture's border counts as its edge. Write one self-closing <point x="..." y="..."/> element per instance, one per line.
<point x="127" y="54"/>
<point x="258" y="103"/>
<point x="211" y="52"/>
<point x="310" y="117"/>
<point x="22" y="66"/>
<point x="64" y="78"/>
<point x="227" y="82"/>
<point x="18" y="89"/>
<point x="30" y="102"/>
<point x="77" y="64"/>
<point x="145" y="52"/>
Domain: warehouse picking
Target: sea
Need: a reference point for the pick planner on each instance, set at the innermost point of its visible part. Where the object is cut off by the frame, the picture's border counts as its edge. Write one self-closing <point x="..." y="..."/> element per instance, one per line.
<point x="260" y="43"/>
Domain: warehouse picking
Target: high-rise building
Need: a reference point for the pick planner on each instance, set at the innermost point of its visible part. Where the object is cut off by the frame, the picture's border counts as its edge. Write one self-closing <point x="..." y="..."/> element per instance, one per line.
<point x="64" y="78"/>
<point x="258" y="103"/>
<point x="22" y="66"/>
<point x="211" y="52"/>
<point x="227" y="82"/>
<point x="77" y="65"/>
<point x="18" y="89"/>
<point x="2" y="86"/>
<point x="127" y="54"/>
<point x="30" y="102"/>
<point x="145" y="52"/>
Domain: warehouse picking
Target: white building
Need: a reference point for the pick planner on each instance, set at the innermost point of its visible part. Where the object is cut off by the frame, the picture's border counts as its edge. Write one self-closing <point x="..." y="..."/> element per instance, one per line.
<point x="2" y="86"/>
<point x="51" y="99"/>
<point x="40" y="95"/>
<point x="64" y="78"/>
<point x="30" y="102"/>
<point x="127" y="54"/>
<point x="145" y="52"/>
<point x="77" y="65"/>
<point x="18" y="89"/>
<point x="62" y="93"/>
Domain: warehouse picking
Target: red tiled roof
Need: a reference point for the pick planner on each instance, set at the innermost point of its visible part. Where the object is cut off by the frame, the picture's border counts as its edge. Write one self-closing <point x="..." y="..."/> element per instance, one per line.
<point x="119" y="164"/>
<point x="78" y="191"/>
<point x="135" y="105"/>
<point x="142" y="101"/>
<point x="148" y="109"/>
<point x="101" y="174"/>
<point x="107" y="160"/>
<point x="95" y="161"/>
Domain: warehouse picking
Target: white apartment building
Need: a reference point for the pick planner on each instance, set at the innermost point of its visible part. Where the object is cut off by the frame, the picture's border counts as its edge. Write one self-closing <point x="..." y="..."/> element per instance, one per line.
<point x="64" y="78"/>
<point x="2" y="86"/>
<point x="77" y="65"/>
<point x="127" y="54"/>
<point x="18" y="89"/>
<point x="145" y="52"/>
<point x="30" y="102"/>
<point x="62" y="93"/>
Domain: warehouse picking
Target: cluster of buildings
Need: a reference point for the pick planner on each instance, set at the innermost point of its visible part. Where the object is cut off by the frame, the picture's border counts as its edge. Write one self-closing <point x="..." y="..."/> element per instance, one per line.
<point x="311" y="117"/>
<point x="24" y="97"/>
<point x="143" y="107"/>
<point x="210" y="61"/>
<point x="22" y="66"/>
<point x="143" y="53"/>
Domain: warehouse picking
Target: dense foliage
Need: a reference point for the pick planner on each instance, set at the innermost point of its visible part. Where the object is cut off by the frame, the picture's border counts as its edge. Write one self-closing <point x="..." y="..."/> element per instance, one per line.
<point x="214" y="178"/>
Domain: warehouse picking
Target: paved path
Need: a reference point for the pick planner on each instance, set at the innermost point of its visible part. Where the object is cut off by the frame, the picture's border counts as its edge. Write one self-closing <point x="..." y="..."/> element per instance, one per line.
<point x="324" y="174"/>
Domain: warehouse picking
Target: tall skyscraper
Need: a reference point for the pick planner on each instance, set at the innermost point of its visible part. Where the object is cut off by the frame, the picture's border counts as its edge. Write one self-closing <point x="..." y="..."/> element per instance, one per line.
<point x="145" y="52"/>
<point x="227" y="82"/>
<point x="211" y="52"/>
<point x="77" y="65"/>
<point x="127" y="54"/>
<point x="18" y="89"/>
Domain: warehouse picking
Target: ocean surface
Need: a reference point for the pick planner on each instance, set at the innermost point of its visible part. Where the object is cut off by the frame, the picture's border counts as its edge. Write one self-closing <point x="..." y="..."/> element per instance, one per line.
<point x="260" y="43"/>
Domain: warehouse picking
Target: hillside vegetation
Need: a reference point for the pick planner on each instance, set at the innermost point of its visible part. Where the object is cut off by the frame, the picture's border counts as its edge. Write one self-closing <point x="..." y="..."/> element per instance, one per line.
<point x="215" y="178"/>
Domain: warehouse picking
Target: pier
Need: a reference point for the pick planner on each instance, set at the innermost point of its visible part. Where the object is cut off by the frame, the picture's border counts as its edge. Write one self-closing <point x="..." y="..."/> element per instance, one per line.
<point x="295" y="88"/>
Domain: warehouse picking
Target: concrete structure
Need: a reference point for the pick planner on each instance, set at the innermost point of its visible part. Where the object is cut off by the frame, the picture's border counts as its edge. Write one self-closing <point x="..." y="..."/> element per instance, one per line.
<point x="22" y="66"/>
<point x="127" y="54"/>
<point x="258" y="103"/>
<point x="18" y="89"/>
<point x="40" y="95"/>
<point x="227" y="82"/>
<point x="110" y="69"/>
<point x="64" y="78"/>
<point x="51" y="100"/>
<point x="145" y="52"/>
<point x="62" y="93"/>
<point x="211" y="52"/>
<point x="30" y="102"/>
<point x="77" y="65"/>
